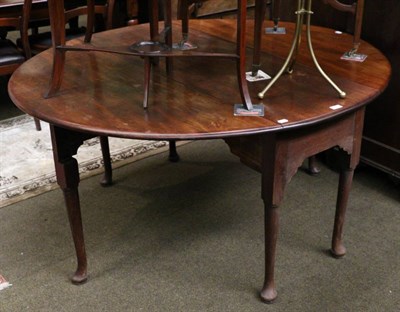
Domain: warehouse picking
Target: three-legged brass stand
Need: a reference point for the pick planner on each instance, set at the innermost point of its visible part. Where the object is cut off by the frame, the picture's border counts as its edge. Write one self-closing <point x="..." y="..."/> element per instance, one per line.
<point x="291" y="59"/>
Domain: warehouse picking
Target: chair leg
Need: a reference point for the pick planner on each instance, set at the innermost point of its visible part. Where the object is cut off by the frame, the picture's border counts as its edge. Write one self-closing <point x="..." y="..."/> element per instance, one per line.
<point x="37" y="124"/>
<point x="90" y="20"/>
<point x="106" y="180"/>
<point x="345" y="180"/>
<point x="358" y="24"/>
<point x="260" y="10"/>
<point x="57" y="73"/>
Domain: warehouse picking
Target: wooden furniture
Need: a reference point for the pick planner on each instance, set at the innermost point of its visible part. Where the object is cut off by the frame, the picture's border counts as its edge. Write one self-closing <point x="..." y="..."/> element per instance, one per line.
<point x="185" y="8"/>
<point x="38" y="17"/>
<point x="357" y="9"/>
<point x="217" y="8"/>
<point x="162" y="41"/>
<point x="10" y="56"/>
<point x="381" y="136"/>
<point x="13" y="7"/>
<point x="299" y="122"/>
<point x="41" y="41"/>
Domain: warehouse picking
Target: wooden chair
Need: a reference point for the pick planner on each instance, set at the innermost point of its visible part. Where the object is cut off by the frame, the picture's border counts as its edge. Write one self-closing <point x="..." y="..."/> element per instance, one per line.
<point x="40" y="41"/>
<point x="357" y="9"/>
<point x="11" y="57"/>
<point x="185" y="9"/>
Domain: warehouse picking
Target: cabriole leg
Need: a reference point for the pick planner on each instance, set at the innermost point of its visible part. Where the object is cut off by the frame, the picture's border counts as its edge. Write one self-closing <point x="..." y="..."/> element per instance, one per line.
<point x="268" y="293"/>
<point x="65" y="145"/>
<point x="345" y="180"/>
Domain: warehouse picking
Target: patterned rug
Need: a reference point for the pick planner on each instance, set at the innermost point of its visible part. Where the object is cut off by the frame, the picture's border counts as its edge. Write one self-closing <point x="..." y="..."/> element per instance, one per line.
<point x="26" y="159"/>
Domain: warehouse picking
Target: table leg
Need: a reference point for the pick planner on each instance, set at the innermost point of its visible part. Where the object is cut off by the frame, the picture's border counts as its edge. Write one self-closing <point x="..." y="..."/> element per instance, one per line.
<point x="173" y="154"/>
<point x="268" y="292"/>
<point x="348" y="164"/>
<point x="312" y="165"/>
<point x="272" y="188"/>
<point x="65" y="145"/>
<point x="71" y="197"/>
<point x="345" y="180"/>
<point x="277" y="156"/>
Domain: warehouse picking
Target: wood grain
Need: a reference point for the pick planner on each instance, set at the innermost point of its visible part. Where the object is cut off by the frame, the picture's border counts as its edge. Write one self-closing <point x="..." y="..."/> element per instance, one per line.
<point x="102" y="93"/>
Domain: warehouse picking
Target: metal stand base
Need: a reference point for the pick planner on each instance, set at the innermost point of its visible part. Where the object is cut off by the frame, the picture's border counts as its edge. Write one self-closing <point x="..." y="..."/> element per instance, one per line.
<point x="275" y="30"/>
<point x="184" y="44"/>
<point x="353" y="56"/>
<point x="291" y="59"/>
<point x="242" y="110"/>
<point x="149" y="47"/>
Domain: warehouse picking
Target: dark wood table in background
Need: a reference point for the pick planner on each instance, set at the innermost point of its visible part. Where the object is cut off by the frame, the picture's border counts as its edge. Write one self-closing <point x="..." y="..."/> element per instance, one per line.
<point x="16" y="3"/>
<point x="14" y="7"/>
<point x="102" y="94"/>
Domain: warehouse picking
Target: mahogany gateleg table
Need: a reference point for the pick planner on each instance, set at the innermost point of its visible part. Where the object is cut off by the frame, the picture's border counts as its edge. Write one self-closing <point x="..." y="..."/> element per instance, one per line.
<point x="102" y="94"/>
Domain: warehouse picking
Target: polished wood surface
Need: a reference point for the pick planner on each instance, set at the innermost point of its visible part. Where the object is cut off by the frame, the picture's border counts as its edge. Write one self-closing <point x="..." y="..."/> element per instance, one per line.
<point x="381" y="137"/>
<point x="191" y="88"/>
<point x="159" y="37"/>
<point x="102" y="95"/>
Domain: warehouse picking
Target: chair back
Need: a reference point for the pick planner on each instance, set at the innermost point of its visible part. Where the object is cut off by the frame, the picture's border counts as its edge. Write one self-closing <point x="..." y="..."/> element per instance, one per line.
<point x="10" y="56"/>
<point x="67" y="15"/>
<point x="357" y="9"/>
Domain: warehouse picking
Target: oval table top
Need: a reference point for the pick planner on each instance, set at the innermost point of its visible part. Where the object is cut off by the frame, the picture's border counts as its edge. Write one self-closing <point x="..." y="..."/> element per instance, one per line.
<point x="102" y="93"/>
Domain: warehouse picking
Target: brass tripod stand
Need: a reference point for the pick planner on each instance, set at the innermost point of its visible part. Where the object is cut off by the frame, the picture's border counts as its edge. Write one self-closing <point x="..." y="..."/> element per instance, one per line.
<point x="291" y="59"/>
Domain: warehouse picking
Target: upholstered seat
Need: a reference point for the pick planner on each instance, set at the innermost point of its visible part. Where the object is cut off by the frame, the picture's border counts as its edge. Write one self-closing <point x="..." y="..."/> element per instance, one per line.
<point x="10" y="56"/>
<point x="9" y="53"/>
